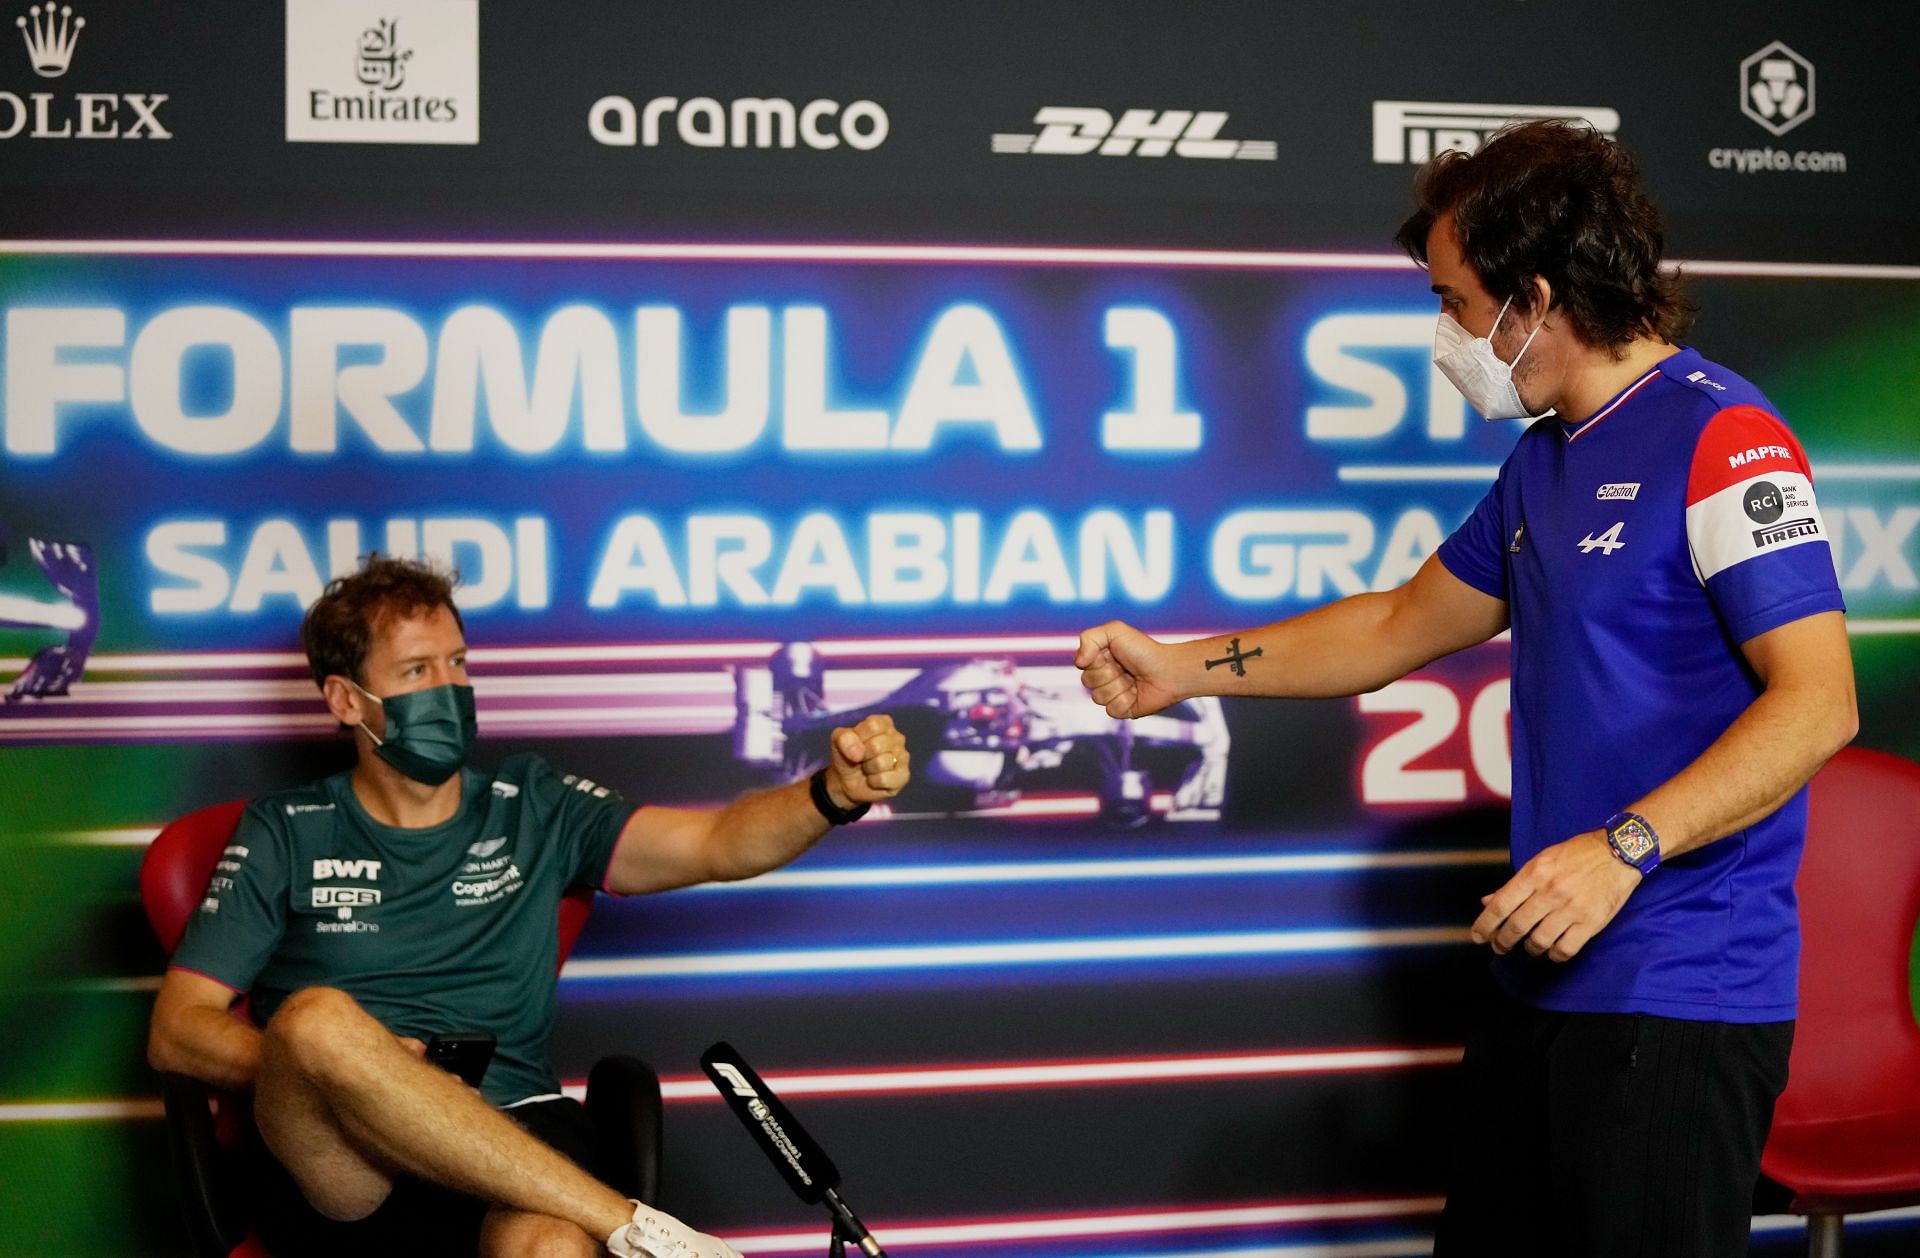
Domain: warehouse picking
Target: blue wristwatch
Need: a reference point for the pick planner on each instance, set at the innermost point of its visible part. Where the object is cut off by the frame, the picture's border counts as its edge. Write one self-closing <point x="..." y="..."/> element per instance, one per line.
<point x="1633" y="840"/>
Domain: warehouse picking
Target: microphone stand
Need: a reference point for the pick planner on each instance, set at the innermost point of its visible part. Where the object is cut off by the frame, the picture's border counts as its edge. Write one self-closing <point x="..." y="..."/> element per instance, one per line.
<point x="848" y="1227"/>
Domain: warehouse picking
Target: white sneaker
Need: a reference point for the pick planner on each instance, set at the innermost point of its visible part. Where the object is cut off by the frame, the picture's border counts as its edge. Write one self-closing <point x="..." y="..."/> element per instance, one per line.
<point x="657" y="1234"/>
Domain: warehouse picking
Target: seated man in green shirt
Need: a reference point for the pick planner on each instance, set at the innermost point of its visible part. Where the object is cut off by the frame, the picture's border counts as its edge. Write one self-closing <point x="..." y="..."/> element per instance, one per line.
<point x="410" y="896"/>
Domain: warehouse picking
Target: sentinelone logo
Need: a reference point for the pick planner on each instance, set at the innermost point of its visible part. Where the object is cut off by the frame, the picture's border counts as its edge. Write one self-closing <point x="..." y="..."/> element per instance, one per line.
<point x="383" y="71"/>
<point x="1777" y="92"/>
<point x="1073" y="131"/>
<point x="1412" y="131"/>
<point x="51" y="37"/>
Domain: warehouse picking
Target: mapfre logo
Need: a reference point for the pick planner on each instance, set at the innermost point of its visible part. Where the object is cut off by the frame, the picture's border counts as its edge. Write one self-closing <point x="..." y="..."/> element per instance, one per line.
<point x="1413" y="131"/>
<point x="52" y="36"/>
<point x="1776" y="88"/>
<point x="383" y="71"/>
<point x="1074" y="131"/>
<point x="750" y="122"/>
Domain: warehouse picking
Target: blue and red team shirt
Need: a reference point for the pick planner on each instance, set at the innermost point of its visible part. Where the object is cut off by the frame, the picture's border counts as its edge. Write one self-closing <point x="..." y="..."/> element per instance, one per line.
<point x="1636" y="551"/>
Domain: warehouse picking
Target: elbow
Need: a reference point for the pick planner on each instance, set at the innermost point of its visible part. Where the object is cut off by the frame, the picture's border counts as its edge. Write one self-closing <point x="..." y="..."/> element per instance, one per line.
<point x="1846" y="721"/>
<point x="163" y="1052"/>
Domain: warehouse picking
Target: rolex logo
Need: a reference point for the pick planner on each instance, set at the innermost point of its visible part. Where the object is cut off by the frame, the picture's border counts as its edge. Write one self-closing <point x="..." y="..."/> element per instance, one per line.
<point x="50" y="38"/>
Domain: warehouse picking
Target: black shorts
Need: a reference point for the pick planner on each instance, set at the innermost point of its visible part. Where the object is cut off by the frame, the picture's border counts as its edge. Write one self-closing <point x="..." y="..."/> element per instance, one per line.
<point x="418" y="1219"/>
<point x="1624" y="1135"/>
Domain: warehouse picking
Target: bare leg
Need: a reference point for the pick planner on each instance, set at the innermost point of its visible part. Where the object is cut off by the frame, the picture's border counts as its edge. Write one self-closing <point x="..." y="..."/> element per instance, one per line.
<point x="345" y="1105"/>
<point x="516" y="1234"/>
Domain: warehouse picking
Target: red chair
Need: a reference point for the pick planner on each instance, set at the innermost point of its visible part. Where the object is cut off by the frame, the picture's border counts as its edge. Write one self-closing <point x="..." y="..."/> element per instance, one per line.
<point x="1846" y="1133"/>
<point x="205" y="1128"/>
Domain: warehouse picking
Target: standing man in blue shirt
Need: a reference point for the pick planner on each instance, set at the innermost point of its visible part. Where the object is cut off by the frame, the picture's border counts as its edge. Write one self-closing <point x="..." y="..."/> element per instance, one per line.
<point x="1680" y="670"/>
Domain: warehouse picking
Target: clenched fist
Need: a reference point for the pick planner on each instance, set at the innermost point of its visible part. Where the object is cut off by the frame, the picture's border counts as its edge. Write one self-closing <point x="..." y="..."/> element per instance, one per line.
<point x="870" y="762"/>
<point x="1126" y="672"/>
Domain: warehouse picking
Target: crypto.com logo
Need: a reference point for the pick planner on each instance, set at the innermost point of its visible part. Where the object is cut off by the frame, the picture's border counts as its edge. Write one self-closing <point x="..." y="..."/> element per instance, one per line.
<point x="1776" y="88"/>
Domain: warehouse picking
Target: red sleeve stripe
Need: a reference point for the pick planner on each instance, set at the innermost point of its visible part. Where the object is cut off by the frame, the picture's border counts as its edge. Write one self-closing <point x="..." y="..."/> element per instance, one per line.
<point x="1738" y="444"/>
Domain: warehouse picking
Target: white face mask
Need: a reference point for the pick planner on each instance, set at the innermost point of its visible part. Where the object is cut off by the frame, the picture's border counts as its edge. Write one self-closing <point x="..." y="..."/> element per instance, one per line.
<point x="1470" y="363"/>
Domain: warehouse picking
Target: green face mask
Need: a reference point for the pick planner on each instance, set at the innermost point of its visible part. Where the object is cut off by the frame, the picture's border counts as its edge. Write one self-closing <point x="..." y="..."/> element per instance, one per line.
<point x="429" y="732"/>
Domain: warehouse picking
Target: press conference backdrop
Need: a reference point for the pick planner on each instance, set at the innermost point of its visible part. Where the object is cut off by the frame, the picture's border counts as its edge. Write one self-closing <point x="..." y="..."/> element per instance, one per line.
<point x="762" y="366"/>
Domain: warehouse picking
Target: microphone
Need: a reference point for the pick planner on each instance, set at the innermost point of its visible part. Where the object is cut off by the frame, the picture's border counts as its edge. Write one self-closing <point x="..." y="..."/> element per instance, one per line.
<point x="802" y="1163"/>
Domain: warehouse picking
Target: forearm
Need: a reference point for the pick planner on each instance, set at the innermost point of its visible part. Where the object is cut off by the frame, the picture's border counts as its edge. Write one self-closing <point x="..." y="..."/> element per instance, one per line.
<point x="1345" y="648"/>
<point x="1757" y="765"/>
<point x="206" y="1044"/>
<point x="766" y="829"/>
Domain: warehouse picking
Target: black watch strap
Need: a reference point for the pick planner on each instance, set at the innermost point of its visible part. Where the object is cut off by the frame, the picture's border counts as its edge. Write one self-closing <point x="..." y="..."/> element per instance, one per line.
<point x="834" y="813"/>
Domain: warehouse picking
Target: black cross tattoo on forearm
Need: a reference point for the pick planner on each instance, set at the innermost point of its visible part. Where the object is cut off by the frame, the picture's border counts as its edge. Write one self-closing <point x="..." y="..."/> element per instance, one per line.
<point x="1235" y="658"/>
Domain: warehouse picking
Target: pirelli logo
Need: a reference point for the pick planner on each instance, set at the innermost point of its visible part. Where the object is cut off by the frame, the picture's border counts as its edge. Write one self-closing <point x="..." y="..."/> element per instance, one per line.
<point x="1785" y="531"/>
<point x="1413" y="131"/>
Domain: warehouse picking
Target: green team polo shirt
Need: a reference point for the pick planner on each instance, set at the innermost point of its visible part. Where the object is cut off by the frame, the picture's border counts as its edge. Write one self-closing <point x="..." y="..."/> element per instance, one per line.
<point x="448" y="928"/>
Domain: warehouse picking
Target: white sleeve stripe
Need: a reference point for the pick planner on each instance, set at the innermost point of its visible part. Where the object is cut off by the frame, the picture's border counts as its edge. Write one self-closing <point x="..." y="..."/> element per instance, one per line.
<point x="1735" y="525"/>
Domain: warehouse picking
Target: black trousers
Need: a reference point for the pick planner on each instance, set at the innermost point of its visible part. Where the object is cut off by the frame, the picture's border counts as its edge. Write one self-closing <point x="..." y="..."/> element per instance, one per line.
<point x="418" y="1219"/>
<point x="1621" y="1135"/>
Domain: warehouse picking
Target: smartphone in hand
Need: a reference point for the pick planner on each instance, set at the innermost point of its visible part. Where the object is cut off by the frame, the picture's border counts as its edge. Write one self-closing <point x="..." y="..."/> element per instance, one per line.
<point x="462" y="1053"/>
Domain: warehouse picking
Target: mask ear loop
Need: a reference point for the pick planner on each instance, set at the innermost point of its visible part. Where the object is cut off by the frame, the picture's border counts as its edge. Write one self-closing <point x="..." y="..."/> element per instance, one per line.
<point x="1524" y="344"/>
<point x="377" y="740"/>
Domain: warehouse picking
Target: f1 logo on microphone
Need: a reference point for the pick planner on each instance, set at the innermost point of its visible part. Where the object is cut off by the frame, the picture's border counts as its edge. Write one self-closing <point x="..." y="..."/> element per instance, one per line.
<point x="732" y="1074"/>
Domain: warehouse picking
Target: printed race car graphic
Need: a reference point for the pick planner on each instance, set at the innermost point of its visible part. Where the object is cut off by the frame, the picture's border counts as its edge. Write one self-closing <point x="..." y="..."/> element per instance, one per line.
<point x="69" y="567"/>
<point x="985" y="729"/>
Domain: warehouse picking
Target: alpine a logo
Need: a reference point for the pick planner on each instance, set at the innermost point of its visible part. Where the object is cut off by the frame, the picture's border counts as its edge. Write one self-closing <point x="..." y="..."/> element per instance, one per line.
<point x="1606" y="543"/>
<point x="1784" y="531"/>
<point x="750" y="122"/>
<point x="1413" y="131"/>
<point x="1074" y="131"/>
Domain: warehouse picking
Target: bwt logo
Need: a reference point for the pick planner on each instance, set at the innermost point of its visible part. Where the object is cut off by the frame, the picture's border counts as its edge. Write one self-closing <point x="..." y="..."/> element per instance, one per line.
<point x="1413" y="131"/>
<point x="1776" y="88"/>
<point x="1073" y="132"/>
<point x="325" y="869"/>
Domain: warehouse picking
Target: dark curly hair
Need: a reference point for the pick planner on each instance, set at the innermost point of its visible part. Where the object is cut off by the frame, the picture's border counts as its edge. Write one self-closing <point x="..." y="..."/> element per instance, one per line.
<point x="1555" y="199"/>
<point x="338" y="630"/>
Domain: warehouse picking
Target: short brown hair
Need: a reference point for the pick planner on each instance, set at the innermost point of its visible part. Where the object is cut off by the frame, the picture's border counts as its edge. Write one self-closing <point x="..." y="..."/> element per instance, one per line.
<point x="338" y="630"/>
<point x="1557" y="200"/>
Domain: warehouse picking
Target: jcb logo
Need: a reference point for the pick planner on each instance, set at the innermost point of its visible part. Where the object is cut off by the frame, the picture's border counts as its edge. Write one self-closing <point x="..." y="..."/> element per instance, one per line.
<point x="344" y="897"/>
<point x="325" y="869"/>
<point x="1072" y="132"/>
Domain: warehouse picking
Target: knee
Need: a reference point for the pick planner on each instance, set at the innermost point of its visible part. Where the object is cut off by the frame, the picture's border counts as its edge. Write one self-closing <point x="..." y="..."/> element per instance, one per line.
<point x="535" y="1236"/>
<point x="314" y="1026"/>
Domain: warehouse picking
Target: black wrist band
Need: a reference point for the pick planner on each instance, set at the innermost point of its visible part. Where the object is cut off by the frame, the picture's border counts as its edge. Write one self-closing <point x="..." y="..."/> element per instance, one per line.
<point x="834" y="813"/>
